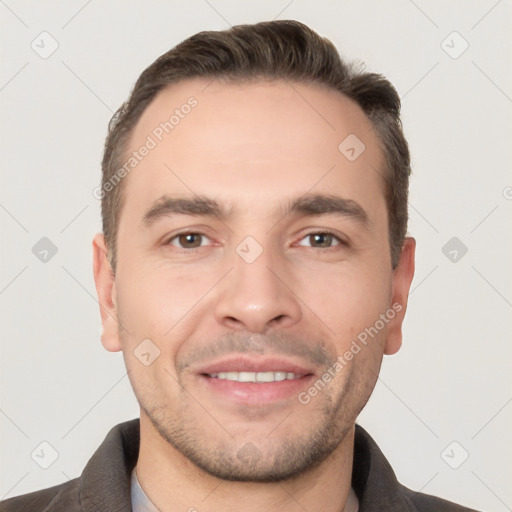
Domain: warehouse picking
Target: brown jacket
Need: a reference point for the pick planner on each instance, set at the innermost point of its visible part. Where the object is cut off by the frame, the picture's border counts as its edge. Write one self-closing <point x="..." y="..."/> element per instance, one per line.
<point x="105" y="482"/>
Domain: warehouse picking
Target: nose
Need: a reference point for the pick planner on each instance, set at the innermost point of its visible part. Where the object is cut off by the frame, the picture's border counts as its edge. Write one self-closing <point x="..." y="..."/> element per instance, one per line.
<point x="257" y="296"/>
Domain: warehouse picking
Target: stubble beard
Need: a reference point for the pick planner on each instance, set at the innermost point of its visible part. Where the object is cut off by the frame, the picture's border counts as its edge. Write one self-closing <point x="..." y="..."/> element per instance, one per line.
<point x="277" y="460"/>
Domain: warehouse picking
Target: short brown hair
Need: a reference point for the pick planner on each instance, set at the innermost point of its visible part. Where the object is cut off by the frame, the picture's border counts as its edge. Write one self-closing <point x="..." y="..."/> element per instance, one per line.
<point x="286" y="50"/>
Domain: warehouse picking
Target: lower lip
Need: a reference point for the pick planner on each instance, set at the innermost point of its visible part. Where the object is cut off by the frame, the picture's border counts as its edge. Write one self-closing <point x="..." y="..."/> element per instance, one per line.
<point x="254" y="393"/>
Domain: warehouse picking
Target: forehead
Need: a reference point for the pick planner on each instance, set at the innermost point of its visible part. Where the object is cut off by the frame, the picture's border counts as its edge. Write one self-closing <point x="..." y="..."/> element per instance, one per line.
<point x="253" y="142"/>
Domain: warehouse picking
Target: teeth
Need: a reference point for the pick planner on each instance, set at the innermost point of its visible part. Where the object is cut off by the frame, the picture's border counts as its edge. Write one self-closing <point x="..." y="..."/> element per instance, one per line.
<point x="241" y="376"/>
<point x="255" y="376"/>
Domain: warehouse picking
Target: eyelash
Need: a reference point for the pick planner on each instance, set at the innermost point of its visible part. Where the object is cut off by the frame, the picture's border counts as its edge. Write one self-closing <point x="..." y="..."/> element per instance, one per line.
<point x="322" y="232"/>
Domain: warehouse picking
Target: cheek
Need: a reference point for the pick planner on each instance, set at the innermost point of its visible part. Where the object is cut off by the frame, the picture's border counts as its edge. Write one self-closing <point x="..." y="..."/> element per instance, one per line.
<point x="154" y="295"/>
<point x="161" y="304"/>
<point x="347" y="300"/>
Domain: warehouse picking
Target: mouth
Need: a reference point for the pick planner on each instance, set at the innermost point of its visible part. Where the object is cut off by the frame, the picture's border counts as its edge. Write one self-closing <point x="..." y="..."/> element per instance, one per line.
<point x="254" y="381"/>
<point x="259" y="377"/>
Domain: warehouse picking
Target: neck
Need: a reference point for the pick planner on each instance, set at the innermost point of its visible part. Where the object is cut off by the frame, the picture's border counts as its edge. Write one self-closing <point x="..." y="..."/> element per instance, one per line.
<point x="172" y="482"/>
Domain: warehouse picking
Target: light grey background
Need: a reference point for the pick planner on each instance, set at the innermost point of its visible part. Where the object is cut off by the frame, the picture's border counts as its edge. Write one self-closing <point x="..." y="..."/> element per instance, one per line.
<point x="451" y="380"/>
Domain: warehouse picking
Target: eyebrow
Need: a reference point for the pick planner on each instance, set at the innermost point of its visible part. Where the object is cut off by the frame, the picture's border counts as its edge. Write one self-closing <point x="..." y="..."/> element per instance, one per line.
<point x="326" y="204"/>
<point x="167" y="206"/>
<point x="307" y="205"/>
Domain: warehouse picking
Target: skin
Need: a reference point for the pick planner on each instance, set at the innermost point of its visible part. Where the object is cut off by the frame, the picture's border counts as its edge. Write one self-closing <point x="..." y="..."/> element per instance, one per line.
<point x="253" y="148"/>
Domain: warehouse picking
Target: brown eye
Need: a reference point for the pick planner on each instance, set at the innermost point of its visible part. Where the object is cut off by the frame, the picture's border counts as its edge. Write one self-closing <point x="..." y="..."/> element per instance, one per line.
<point x="187" y="240"/>
<point x="320" y="240"/>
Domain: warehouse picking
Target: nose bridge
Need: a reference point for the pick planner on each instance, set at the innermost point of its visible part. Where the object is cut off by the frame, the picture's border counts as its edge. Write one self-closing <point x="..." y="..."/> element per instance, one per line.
<point x="252" y="272"/>
<point x="253" y="297"/>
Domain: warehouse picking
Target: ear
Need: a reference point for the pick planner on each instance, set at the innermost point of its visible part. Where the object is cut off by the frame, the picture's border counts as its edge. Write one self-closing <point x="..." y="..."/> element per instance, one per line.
<point x="106" y="289"/>
<point x="401" y="283"/>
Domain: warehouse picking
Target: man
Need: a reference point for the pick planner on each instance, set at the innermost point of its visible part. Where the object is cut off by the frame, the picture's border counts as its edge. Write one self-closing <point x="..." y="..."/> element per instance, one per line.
<point x="253" y="268"/>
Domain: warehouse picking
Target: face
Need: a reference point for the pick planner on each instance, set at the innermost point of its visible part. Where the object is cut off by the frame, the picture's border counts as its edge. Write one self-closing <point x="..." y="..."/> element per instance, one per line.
<point x="254" y="296"/>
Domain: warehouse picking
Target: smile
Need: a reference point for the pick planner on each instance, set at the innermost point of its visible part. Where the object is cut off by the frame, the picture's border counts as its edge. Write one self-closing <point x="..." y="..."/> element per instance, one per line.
<point x="255" y="376"/>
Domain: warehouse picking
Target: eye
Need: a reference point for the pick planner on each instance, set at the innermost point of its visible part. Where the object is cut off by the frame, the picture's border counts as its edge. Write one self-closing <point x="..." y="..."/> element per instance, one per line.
<point x="322" y="240"/>
<point x="188" y="240"/>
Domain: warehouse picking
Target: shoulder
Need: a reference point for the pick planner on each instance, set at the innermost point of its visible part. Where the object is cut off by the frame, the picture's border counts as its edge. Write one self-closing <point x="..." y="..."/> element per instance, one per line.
<point x="59" y="497"/>
<point x="426" y="503"/>
<point x="375" y="482"/>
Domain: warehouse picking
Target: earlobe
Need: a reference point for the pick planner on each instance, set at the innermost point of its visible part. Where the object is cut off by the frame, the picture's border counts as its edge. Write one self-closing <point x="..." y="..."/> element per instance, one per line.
<point x="401" y="282"/>
<point x="106" y="290"/>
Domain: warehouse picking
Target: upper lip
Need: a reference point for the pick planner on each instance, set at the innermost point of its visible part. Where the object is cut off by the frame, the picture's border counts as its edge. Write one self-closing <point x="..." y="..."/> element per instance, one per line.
<point x="244" y="363"/>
